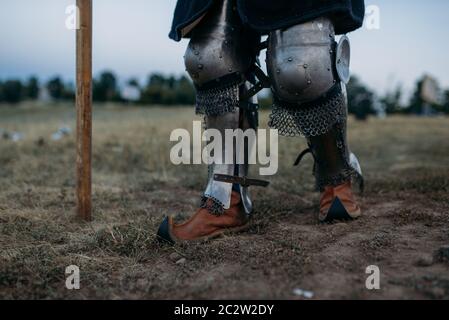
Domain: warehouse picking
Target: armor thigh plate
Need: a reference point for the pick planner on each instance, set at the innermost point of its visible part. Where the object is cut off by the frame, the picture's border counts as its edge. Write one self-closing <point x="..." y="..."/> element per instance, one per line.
<point x="220" y="53"/>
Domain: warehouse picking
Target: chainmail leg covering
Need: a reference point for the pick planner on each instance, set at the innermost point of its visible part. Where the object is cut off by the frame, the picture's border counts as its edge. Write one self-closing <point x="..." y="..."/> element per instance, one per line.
<point x="310" y="119"/>
<point x="215" y="101"/>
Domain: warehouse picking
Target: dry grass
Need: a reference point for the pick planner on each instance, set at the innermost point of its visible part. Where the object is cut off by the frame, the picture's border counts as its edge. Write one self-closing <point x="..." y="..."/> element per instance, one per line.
<point x="406" y="215"/>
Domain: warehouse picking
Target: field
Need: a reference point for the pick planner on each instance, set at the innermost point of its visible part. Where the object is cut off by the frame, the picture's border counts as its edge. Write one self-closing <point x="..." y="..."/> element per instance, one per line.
<point x="404" y="230"/>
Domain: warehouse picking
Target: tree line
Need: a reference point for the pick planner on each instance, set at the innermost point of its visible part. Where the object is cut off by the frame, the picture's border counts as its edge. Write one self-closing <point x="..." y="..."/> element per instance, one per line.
<point x="364" y="102"/>
<point x="160" y="89"/>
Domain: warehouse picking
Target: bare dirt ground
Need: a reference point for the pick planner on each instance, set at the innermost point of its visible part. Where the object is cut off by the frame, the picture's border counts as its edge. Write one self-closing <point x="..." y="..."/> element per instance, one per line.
<point x="404" y="230"/>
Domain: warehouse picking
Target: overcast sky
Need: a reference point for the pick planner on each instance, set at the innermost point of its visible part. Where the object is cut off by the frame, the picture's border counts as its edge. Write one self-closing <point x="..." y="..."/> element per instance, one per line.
<point x="130" y="37"/>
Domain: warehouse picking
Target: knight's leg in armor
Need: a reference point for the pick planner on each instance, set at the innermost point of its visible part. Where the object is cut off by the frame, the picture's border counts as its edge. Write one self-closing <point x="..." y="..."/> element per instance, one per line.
<point x="308" y="71"/>
<point x="218" y="59"/>
<point x="333" y="172"/>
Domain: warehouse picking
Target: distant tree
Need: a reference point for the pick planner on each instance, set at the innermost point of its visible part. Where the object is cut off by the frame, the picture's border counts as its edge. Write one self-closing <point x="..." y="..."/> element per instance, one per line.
<point x="392" y="101"/>
<point x="445" y="105"/>
<point x="153" y="93"/>
<point x="32" y="88"/>
<point x="156" y="79"/>
<point x="105" y="88"/>
<point x="1" y="92"/>
<point x="185" y="92"/>
<point x="133" y="83"/>
<point x="12" y="91"/>
<point x="360" y="99"/>
<point x="55" y="87"/>
<point x="171" y="82"/>
<point x="168" y="90"/>
<point x="69" y="92"/>
<point x="416" y="104"/>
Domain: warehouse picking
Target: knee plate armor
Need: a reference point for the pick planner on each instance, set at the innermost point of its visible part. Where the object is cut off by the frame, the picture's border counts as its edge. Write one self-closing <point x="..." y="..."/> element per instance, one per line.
<point x="218" y="57"/>
<point x="306" y="78"/>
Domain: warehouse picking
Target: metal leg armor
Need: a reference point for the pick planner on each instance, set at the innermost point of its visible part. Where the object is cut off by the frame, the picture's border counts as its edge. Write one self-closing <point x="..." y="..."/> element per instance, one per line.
<point x="221" y="60"/>
<point x="334" y="163"/>
<point x="226" y="205"/>
<point x="217" y="196"/>
<point x="308" y="70"/>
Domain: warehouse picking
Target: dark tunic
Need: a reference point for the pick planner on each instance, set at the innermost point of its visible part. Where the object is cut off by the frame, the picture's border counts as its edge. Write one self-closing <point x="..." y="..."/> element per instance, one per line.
<point x="268" y="15"/>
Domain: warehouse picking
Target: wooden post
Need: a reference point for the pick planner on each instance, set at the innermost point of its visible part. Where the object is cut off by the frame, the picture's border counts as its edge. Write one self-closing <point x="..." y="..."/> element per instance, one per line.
<point x="84" y="110"/>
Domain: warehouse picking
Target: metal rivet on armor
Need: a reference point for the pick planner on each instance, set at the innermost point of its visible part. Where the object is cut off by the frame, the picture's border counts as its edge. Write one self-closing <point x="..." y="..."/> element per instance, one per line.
<point x="230" y="69"/>
<point x="290" y="59"/>
<point x="306" y="66"/>
<point x="309" y="81"/>
<point x="197" y="53"/>
<point x="331" y="51"/>
<point x="278" y="71"/>
<point x="200" y="66"/>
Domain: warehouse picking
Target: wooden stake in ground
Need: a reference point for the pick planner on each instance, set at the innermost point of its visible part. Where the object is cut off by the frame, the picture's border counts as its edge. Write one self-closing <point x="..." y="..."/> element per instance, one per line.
<point x="84" y="110"/>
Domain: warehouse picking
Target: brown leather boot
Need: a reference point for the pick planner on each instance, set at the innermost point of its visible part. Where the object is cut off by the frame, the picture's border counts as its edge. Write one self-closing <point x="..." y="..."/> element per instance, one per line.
<point x="203" y="225"/>
<point x="338" y="203"/>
